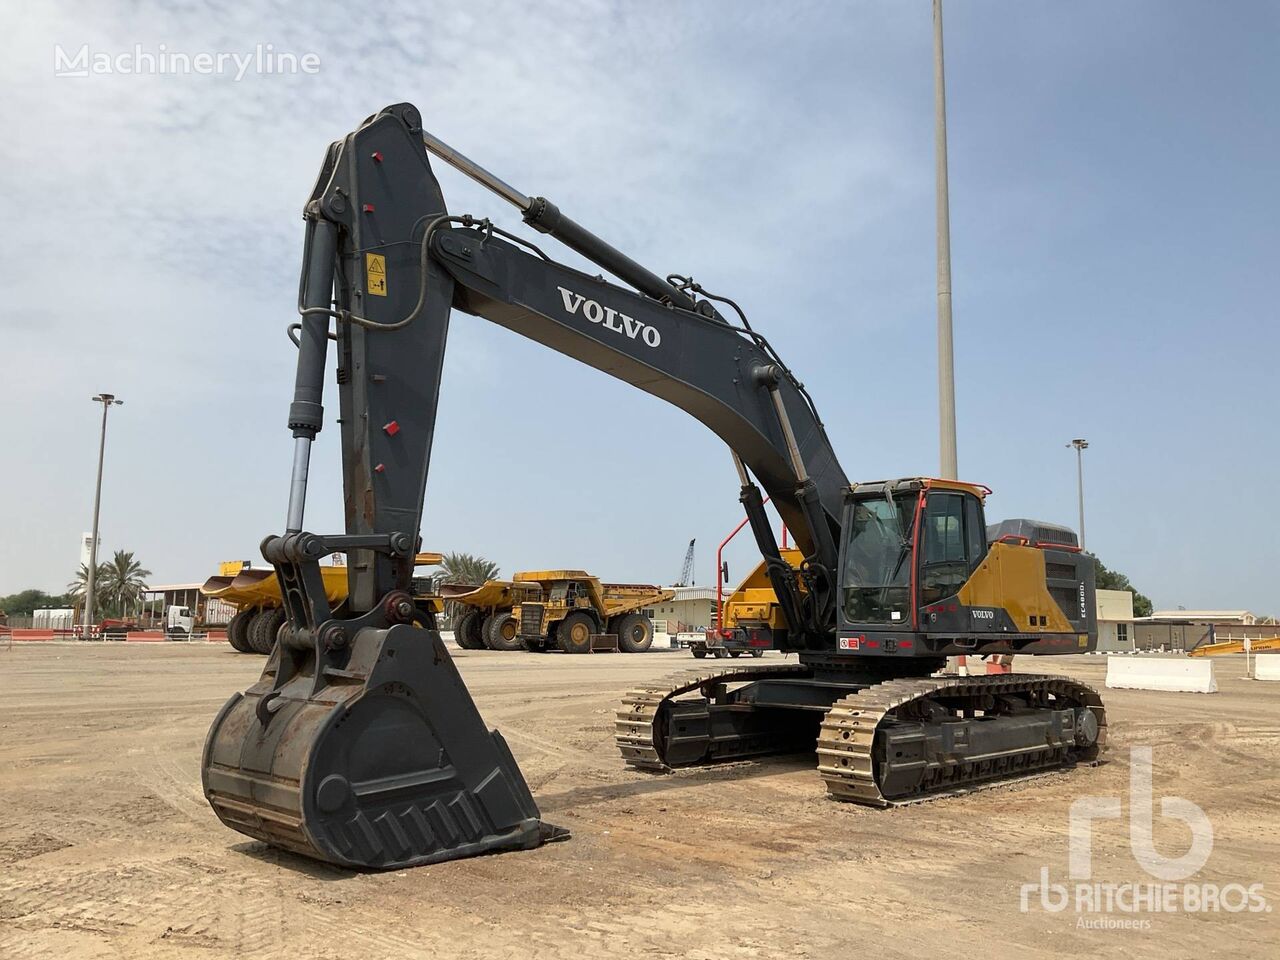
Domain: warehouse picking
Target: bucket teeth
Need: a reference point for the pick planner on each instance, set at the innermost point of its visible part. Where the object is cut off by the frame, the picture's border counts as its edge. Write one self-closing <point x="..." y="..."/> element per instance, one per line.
<point x="389" y="765"/>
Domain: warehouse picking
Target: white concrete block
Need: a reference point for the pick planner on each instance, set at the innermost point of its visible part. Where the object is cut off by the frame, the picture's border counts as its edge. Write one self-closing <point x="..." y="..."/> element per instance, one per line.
<point x="661" y="641"/>
<point x="1177" y="674"/>
<point x="1266" y="666"/>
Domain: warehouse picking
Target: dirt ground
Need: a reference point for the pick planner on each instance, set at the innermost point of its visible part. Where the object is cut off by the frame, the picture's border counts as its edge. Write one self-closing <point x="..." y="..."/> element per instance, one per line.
<point x="107" y="848"/>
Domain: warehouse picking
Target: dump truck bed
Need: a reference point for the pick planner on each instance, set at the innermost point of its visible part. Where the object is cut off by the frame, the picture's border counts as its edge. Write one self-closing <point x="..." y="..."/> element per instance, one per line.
<point x="491" y="593"/>
<point x="258" y="586"/>
<point x="622" y="598"/>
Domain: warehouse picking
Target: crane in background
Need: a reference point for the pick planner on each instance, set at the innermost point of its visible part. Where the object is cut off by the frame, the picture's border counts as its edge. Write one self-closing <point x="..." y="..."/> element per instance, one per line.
<point x="686" y="571"/>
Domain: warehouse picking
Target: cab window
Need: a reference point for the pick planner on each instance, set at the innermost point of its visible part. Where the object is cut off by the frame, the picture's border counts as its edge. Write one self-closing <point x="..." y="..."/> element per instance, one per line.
<point x="953" y="542"/>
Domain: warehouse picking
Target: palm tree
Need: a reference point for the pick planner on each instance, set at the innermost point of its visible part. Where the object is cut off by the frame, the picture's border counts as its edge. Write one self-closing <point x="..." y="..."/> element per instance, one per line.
<point x="77" y="588"/>
<point x="123" y="581"/>
<point x="464" y="568"/>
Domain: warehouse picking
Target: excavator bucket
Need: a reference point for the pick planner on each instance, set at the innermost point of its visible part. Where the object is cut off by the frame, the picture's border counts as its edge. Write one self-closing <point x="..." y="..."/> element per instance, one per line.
<point x="385" y="763"/>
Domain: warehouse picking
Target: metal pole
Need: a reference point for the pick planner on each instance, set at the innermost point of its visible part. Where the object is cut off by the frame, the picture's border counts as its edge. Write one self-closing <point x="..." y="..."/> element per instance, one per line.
<point x="1081" y="445"/>
<point x="1080" y="490"/>
<point x="946" y="359"/>
<point x="106" y="399"/>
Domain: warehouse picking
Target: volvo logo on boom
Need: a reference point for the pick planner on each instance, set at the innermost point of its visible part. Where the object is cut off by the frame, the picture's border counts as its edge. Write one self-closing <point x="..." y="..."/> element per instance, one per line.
<point x="608" y="317"/>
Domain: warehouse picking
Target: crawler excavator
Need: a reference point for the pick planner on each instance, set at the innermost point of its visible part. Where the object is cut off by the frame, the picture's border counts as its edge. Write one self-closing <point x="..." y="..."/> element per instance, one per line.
<point x="360" y="745"/>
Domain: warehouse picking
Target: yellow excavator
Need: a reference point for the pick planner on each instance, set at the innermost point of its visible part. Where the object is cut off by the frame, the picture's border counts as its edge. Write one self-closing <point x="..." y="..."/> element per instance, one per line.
<point x="360" y="745"/>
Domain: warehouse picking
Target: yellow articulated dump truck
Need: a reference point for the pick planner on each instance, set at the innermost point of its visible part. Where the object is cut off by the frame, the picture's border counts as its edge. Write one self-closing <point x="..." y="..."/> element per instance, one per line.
<point x="255" y="593"/>
<point x="566" y="609"/>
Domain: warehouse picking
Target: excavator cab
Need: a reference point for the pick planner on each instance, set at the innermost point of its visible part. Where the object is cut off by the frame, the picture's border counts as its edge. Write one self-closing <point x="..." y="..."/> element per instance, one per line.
<point x="918" y="576"/>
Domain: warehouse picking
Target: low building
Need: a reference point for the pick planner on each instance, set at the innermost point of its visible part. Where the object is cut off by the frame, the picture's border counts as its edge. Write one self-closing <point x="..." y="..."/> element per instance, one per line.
<point x="1115" y="621"/>
<point x="691" y="610"/>
<point x="1184" y="630"/>
<point x="1205" y="617"/>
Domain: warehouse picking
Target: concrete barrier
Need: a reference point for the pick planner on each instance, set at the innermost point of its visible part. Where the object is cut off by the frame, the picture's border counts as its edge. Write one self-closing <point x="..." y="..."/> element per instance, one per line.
<point x="1177" y="674"/>
<point x="145" y="636"/>
<point x="19" y="634"/>
<point x="1266" y="666"/>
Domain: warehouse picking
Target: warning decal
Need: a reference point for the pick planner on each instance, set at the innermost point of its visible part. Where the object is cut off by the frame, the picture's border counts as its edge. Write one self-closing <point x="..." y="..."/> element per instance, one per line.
<point x="375" y="266"/>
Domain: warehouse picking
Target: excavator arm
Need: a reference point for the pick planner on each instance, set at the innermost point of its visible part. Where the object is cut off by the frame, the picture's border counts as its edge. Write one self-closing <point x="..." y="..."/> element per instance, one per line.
<point x="360" y="744"/>
<point x="383" y="245"/>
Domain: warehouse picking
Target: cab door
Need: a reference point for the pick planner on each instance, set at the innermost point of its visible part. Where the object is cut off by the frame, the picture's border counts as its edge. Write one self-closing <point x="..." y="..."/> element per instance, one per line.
<point x="953" y="541"/>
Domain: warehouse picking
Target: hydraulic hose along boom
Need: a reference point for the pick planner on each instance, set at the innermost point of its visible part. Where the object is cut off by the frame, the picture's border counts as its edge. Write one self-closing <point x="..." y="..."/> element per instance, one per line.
<point x="360" y="744"/>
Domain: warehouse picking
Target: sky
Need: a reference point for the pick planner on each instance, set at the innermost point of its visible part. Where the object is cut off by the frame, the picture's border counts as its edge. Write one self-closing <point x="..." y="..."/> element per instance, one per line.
<point x="1115" y="221"/>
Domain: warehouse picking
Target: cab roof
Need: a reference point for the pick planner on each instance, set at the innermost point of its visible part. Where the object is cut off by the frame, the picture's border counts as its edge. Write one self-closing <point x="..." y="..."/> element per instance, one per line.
<point x="909" y="484"/>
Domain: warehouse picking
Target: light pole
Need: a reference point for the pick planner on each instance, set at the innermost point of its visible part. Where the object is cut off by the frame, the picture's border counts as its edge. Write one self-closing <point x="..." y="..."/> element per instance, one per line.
<point x="107" y="400"/>
<point x="1081" y="445"/>
<point x="946" y="359"/>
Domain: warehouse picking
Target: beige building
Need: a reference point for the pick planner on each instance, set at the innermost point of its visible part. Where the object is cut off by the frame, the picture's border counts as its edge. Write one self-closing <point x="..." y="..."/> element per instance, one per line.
<point x="1242" y="617"/>
<point x="691" y="610"/>
<point x="1115" y="621"/>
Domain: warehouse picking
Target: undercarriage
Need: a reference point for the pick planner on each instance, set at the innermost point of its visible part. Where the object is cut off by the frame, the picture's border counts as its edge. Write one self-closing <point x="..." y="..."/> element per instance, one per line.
<point x="880" y="742"/>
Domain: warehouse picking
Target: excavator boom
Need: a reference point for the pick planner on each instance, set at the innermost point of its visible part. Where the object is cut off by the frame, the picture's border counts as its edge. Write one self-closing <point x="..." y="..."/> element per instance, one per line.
<point x="360" y="744"/>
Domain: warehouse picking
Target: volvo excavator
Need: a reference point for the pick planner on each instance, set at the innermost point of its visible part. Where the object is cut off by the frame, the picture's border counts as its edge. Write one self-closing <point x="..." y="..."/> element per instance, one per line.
<point x="361" y="746"/>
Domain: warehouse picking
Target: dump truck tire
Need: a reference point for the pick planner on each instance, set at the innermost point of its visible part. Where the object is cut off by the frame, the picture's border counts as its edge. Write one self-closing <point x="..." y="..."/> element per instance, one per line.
<point x="635" y="632"/>
<point x="757" y="653"/>
<point x="502" y="632"/>
<point x="263" y="629"/>
<point x="238" y="631"/>
<point x="699" y="654"/>
<point x="469" y="632"/>
<point x="573" y="633"/>
<point x="254" y="628"/>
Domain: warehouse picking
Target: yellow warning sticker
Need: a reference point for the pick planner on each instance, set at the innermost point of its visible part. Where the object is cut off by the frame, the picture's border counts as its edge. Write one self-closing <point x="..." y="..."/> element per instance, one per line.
<point x="375" y="266"/>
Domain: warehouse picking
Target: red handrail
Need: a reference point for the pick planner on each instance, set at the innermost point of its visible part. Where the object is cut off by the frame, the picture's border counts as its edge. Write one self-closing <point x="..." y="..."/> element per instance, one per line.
<point x="720" y="572"/>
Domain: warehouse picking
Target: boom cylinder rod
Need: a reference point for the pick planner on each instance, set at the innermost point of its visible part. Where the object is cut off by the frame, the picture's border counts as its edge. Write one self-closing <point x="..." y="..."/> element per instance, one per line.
<point x="306" y="413"/>
<point x="476" y="172"/>
<point x="793" y="449"/>
<point x="545" y="217"/>
<point x="298" y="483"/>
